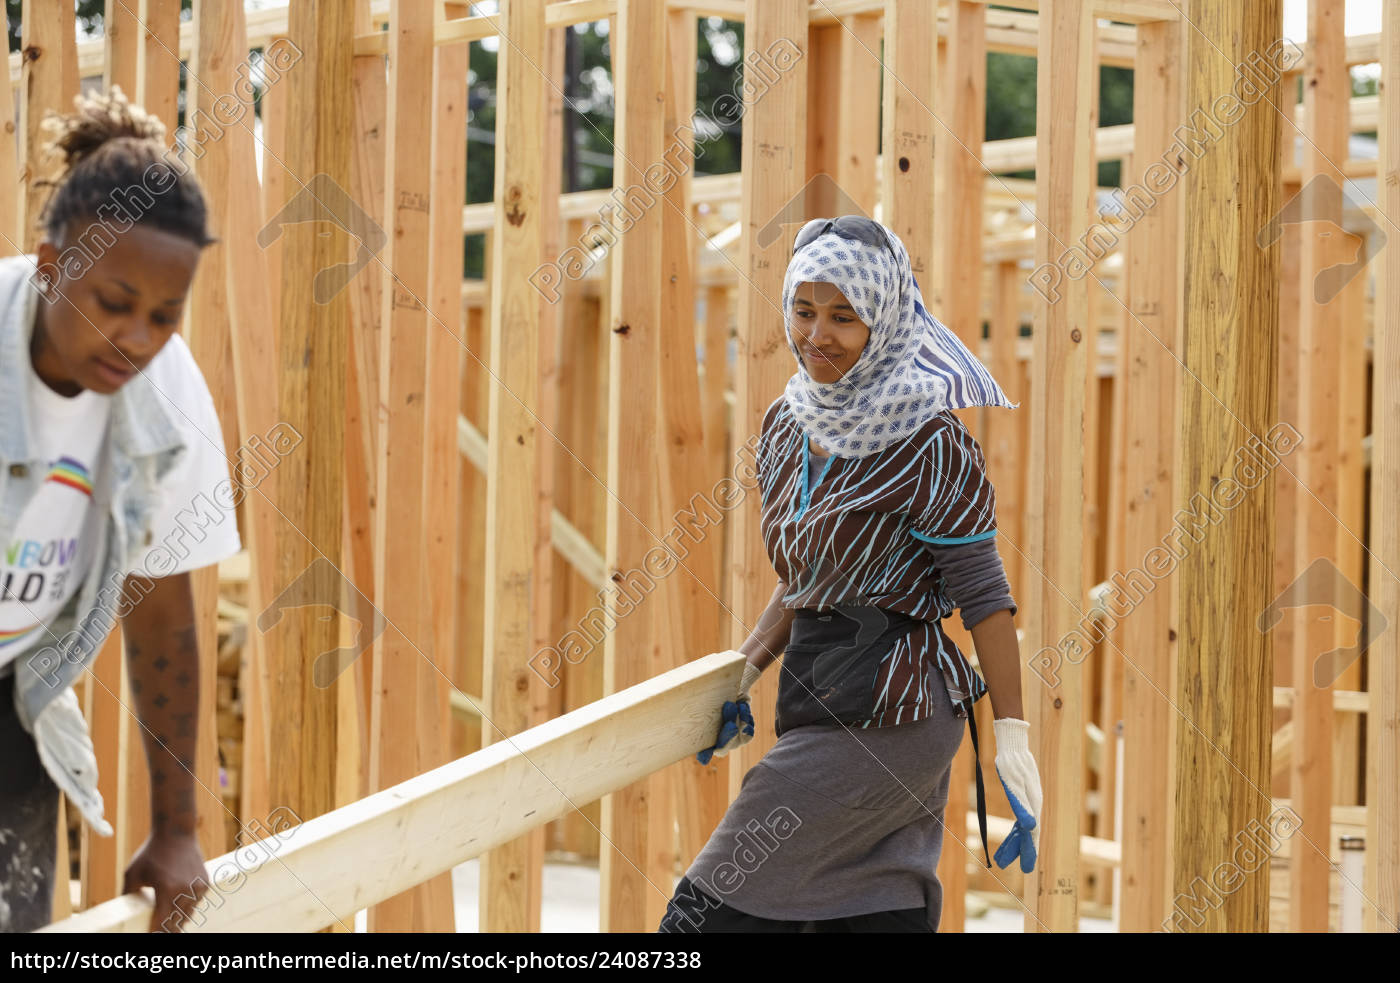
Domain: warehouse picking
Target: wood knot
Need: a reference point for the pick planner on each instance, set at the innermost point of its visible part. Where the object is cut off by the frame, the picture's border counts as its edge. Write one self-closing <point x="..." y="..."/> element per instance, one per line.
<point x="1075" y="336"/>
<point x="622" y="329"/>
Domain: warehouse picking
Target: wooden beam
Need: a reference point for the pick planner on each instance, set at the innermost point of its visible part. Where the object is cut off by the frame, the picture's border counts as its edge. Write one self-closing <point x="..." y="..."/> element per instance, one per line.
<point x="774" y="152"/>
<point x="1064" y="178"/>
<point x="253" y="309"/>
<point x="1383" y="676"/>
<point x="1327" y="86"/>
<point x="1224" y="677"/>
<point x="631" y="648"/>
<point x="404" y="655"/>
<point x="311" y="399"/>
<point x="298" y="880"/>
<point x="11" y="202"/>
<point x="208" y="331"/>
<point x="158" y="62"/>
<point x="1150" y="343"/>
<point x="510" y="876"/>
<point x="910" y="121"/>
<point x="41" y="90"/>
<point x="441" y="399"/>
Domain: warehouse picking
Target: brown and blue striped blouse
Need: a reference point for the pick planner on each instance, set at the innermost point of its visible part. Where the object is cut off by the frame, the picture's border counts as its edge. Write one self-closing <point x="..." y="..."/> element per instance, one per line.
<point x="867" y="530"/>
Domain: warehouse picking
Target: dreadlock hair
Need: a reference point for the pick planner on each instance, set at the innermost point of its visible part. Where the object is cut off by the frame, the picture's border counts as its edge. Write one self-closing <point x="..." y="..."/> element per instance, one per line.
<point x="117" y="172"/>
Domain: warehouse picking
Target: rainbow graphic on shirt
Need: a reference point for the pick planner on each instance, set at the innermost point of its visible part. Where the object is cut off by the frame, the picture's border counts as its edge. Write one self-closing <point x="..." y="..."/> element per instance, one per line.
<point x="67" y="471"/>
<point x="6" y="637"/>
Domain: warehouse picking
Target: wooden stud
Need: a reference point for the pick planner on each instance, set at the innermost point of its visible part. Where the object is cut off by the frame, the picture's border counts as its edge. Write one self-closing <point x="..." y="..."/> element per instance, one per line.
<point x="11" y="201"/>
<point x="1223" y="679"/>
<point x="1149" y="343"/>
<point x="632" y="648"/>
<point x="1064" y="176"/>
<point x="158" y="62"/>
<point x="405" y="657"/>
<point x="41" y="90"/>
<point x="1326" y="88"/>
<point x="311" y="400"/>
<point x="510" y="874"/>
<point x="254" y="346"/>
<point x="1383" y="678"/>
<point x="208" y="333"/>
<point x="774" y="151"/>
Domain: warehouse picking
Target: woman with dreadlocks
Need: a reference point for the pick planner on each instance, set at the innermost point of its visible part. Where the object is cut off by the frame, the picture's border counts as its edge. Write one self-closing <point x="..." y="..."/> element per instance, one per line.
<point x="109" y="450"/>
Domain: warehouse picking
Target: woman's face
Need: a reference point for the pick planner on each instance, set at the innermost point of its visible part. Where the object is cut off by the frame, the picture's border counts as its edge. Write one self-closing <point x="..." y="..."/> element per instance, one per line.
<point x="103" y="321"/>
<point x="828" y="334"/>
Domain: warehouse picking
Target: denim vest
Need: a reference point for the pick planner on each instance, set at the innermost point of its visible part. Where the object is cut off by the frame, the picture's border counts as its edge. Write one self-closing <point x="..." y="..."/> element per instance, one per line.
<point x="143" y="444"/>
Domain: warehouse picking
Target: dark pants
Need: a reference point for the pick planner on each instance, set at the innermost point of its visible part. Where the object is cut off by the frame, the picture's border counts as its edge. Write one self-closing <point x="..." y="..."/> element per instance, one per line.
<point x="692" y="910"/>
<point x="28" y="825"/>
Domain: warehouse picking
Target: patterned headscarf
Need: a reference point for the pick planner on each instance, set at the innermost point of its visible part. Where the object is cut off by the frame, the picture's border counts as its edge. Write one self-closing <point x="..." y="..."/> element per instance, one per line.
<point x="912" y="368"/>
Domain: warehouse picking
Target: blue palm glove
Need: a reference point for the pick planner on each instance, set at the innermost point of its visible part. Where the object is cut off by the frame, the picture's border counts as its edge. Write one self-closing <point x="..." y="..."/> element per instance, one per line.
<point x="736" y="719"/>
<point x="1021" y="780"/>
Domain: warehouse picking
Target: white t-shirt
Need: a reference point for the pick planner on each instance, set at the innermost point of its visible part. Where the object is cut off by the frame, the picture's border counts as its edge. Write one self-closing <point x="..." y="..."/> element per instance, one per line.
<point x="45" y="558"/>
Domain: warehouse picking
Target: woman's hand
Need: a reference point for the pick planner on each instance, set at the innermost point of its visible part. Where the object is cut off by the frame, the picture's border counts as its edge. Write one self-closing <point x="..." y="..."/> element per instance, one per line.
<point x="736" y="719"/>
<point x="1021" y="780"/>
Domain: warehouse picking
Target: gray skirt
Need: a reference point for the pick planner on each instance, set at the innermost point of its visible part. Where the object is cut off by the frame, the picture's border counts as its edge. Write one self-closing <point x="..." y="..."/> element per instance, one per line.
<point x="837" y="821"/>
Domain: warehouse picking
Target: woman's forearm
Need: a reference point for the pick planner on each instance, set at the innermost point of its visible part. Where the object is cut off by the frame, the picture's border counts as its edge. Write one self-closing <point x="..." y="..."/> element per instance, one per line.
<point x="999" y="655"/>
<point x="770" y="637"/>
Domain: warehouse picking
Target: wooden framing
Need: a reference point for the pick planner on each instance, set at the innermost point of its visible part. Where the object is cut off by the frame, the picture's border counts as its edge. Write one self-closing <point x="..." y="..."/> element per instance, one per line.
<point x="1224" y="673"/>
<point x="400" y="836"/>
<point x="1150" y="345"/>
<point x="311" y="399"/>
<point x="1382" y="883"/>
<point x="1056" y="478"/>
<point x="510" y="875"/>
<point x="483" y="560"/>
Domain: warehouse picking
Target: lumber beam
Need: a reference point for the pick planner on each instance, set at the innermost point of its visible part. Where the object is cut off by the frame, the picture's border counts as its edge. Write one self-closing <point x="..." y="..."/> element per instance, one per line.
<point x="405" y="679"/>
<point x="511" y="875"/>
<point x="1224" y="674"/>
<point x="1327" y="86"/>
<point x="311" y="399"/>
<point x="1382" y="884"/>
<point x="253" y="309"/>
<point x="157" y="68"/>
<point x="1151" y="341"/>
<point x="773" y="156"/>
<point x="298" y="880"/>
<point x="1064" y="111"/>
<point x="631" y="649"/>
<point x="208" y="332"/>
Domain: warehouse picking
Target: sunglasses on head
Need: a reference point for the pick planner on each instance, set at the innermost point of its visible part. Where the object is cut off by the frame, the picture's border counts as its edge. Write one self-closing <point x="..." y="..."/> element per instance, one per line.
<point x="857" y="228"/>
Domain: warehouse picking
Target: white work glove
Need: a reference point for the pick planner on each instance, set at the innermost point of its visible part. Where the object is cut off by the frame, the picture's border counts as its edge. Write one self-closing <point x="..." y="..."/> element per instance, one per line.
<point x="736" y="719"/>
<point x="1021" y="780"/>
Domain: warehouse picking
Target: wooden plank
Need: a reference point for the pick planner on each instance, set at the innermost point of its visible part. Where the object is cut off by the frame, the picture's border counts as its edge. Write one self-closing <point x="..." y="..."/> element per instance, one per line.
<point x="121" y="43"/>
<point x="1149" y="343"/>
<point x="41" y="89"/>
<point x="362" y="404"/>
<point x="441" y="400"/>
<point x="252" y="308"/>
<point x="1383" y="675"/>
<point x="158" y="62"/>
<point x="910" y="119"/>
<point x="299" y="879"/>
<point x="1223" y="675"/>
<point x="689" y="596"/>
<point x="471" y="589"/>
<point x="510" y="876"/>
<point x="311" y="399"/>
<point x="101" y="878"/>
<point x="1326" y="88"/>
<point x="1064" y="175"/>
<point x="208" y="331"/>
<point x="962" y="88"/>
<point x="405" y="656"/>
<point x="11" y="202"/>
<point x="631" y="649"/>
<point x="774" y="148"/>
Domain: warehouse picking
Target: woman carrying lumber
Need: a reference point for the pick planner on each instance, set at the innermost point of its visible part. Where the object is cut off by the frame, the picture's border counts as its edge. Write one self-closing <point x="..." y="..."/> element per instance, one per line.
<point x="879" y="521"/>
<point x="110" y="457"/>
